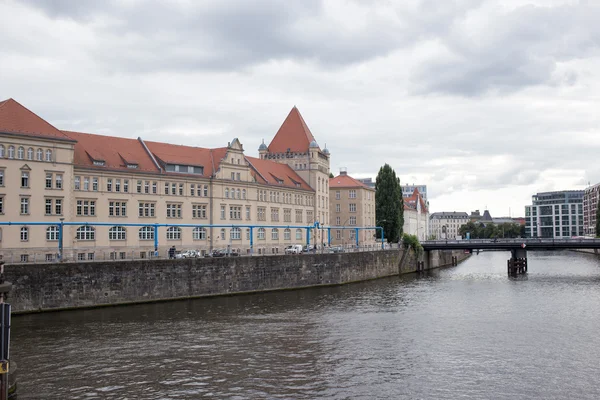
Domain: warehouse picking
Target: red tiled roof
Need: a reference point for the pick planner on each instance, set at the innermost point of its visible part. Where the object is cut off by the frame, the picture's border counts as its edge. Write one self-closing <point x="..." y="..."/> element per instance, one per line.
<point x="270" y="172"/>
<point x="410" y="203"/>
<point x="17" y="119"/>
<point x="293" y="135"/>
<point x="346" y="181"/>
<point x="188" y="155"/>
<point x="114" y="151"/>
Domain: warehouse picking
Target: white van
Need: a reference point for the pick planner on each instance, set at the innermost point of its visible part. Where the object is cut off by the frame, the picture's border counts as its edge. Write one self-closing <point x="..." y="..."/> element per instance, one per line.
<point x="294" y="249"/>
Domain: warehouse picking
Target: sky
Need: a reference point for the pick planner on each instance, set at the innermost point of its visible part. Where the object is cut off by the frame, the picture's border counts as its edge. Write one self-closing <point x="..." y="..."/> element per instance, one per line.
<point x="485" y="101"/>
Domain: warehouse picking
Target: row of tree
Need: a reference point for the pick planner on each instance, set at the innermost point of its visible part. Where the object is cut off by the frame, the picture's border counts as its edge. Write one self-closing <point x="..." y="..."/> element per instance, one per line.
<point x="490" y="231"/>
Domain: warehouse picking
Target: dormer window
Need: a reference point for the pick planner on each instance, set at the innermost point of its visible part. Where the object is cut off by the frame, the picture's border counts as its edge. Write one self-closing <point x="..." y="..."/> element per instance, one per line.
<point x="185" y="169"/>
<point x="132" y="166"/>
<point x="99" y="163"/>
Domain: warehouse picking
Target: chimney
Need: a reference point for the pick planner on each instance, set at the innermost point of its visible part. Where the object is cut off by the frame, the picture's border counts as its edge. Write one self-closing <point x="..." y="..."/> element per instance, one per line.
<point x="343" y="171"/>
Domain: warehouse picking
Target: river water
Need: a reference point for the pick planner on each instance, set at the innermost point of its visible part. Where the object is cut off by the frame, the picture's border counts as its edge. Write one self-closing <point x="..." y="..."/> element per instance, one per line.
<point x="463" y="332"/>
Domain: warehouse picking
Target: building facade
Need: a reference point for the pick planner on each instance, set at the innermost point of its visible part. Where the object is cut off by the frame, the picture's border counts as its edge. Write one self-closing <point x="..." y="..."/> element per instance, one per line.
<point x="445" y="225"/>
<point x="352" y="204"/>
<point x="590" y="206"/>
<point x="416" y="216"/>
<point x="555" y="214"/>
<point x="49" y="175"/>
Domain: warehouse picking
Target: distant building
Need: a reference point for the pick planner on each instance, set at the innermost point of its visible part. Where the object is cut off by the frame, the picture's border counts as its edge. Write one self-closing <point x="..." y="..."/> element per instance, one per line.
<point x="590" y="205"/>
<point x="475" y="216"/>
<point x="368" y="182"/>
<point x="416" y="216"/>
<point x="555" y="214"/>
<point x="445" y="225"/>
<point x="407" y="190"/>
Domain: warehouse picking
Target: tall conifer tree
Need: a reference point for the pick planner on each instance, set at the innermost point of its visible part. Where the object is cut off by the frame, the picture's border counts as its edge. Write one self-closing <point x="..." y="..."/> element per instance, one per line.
<point x="389" y="206"/>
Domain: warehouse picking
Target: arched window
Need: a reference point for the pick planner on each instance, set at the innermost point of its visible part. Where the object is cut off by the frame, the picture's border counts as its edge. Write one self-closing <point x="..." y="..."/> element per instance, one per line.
<point x="173" y="233"/>
<point x="274" y="234"/>
<point x="244" y="194"/>
<point x="222" y="234"/>
<point x="298" y="234"/>
<point x="86" y="232"/>
<point x="24" y="234"/>
<point x="226" y="193"/>
<point x="146" y="233"/>
<point x="52" y="233"/>
<point x="20" y="153"/>
<point x="235" y="233"/>
<point x="48" y="155"/>
<point x="2" y="151"/>
<point x="39" y="155"/>
<point x="287" y="234"/>
<point x="30" y="153"/>
<point x="117" y="233"/>
<point x="11" y="151"/>
<point x="261" y="233"/>
<point x="199" y="233"/>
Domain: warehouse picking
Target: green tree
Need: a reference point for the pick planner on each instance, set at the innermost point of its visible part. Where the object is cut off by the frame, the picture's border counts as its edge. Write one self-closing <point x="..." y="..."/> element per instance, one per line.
<point x="598" y="220"/>
<point x="331" y="175"/>
<point x="389" y="206"/>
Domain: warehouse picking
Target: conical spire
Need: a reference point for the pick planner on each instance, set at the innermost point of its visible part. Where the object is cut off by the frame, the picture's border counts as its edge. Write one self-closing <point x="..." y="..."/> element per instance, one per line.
<point x="293" y="135"/>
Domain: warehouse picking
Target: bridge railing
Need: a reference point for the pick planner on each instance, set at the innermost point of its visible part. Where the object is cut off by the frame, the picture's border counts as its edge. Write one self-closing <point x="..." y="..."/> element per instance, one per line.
<point x="512" y="241"/>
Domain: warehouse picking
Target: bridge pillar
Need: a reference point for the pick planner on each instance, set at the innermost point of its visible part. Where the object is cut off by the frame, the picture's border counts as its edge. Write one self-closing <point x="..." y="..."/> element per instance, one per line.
<point x="517" y="264"/>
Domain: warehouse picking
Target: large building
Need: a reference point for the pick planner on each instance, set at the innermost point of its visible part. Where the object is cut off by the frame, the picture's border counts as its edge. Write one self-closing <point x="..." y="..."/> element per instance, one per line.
<point x="50" y="175"/>
<point x="352" y="204"/>
<point x="590" y="206"/>
<point x="416" y="216"/>
<point x="555" y="214"/>
<point x="445" y="225"/>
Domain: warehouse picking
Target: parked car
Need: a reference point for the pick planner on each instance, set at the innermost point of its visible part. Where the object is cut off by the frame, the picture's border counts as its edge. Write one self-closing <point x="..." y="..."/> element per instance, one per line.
<point x="294" y="249"/>
<point x="308" y="247"/>
<point x="188" y="254"/>
<point x="336" y="249"/>
<point x="217" y="253"/>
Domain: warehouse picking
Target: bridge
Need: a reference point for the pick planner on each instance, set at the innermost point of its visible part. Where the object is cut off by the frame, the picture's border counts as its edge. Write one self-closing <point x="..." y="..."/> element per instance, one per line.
<point x="517" y="264"/>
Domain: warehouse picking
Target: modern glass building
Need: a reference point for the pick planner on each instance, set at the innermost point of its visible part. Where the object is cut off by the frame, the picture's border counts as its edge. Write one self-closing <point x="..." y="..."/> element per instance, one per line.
<point x="555" y="214"/>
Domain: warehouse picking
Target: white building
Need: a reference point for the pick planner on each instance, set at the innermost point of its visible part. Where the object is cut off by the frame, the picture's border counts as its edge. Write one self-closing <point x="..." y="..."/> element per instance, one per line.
<point x="555" y="214"/>
<point x="416" y="216"/>
<point x="445" y="225"/>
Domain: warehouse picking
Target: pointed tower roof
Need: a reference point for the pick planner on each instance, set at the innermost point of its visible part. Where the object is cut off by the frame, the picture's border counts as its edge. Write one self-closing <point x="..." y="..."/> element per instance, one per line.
<point x="16" y="119"/>
<point x="293" y="135"/>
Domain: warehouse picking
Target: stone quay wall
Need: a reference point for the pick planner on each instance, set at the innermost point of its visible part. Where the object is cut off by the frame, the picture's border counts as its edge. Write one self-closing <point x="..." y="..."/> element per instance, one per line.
<point x="55" y="286"/>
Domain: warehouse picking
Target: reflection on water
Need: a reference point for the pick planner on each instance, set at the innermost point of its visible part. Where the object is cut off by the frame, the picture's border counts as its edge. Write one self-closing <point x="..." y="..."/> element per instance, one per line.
<point x="468" y="331"/>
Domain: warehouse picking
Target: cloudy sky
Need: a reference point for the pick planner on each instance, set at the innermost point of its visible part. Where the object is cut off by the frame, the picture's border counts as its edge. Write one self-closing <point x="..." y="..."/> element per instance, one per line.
<point x="485" y="101"/>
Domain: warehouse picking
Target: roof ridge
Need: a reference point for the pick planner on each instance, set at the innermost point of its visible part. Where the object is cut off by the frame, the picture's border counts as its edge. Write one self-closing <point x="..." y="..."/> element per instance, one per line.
<point x="8" y="101"/>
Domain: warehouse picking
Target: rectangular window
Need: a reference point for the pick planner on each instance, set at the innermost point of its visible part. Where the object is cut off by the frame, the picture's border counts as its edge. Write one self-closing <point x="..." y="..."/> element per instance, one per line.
<point x="138" y="186"/>
<point x="352" y="221"/>
<point x="117" y="209"/>
<point x="126" y="185"/>
<point x="86" y="183"/>
<point x="233" y="176"/>
<point x="146" y="209"/>
<point x="173" y="210"/>
<point x="352" y="194"/>
<point x="1" y="177"/>
<point x="248" y="212"/>
<point x="338" y="208"/>
<point x="287" y="215"/>
<point x="24" y="179"/>
<point x="275" y="214"/>
<point x="192" y="190"/>
<point x="48" y="181"/>
<point x="86" y="208"/>
<point x="298" y="215"/>
<point x="1" y="206"/>
<point x="77" y="184"/>
<point x="95" y="184"/>
<point x="58" y="206"/>
<point x="109" y="185"/>
<point x="222" y="212"/>
<point x="173" y="189"/>
<point x="58" y="181"/>
<point x="261" y="214"/>
<point x="48" y="210"/>
<point x="199" y="211"/>
<point x="181" y="189"/>
<point x="147" y="187"/>
<point x="117" y="185"/>
<point x="235" y="212"/>
<point x="205" y="190"/>
<point x="238" y="176"/>
<point x="154" y="187"/>
<point x="337" y="195"/>
<point x="338" y="221"/>
<point x="166" y="188"/>
<point x="352" y="207"/>
<point x="24" y="205"/>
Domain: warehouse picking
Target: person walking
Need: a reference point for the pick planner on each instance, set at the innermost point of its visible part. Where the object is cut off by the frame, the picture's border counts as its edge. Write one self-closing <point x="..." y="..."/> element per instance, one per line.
<point x="172" y="252"/>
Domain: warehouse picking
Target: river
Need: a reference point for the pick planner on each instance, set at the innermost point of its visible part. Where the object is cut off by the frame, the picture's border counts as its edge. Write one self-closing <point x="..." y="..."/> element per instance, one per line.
<point x="463" y="332"/>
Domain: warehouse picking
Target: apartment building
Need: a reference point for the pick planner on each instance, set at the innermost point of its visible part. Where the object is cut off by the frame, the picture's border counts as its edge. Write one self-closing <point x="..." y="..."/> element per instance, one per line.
<point x="556" y="214"/>
<point x="416" y="216"/>
<point x="446" y="225"/>
<point x="49" y="175"/>
<point x="590" y="206"/>
<point x="352" y="204"/>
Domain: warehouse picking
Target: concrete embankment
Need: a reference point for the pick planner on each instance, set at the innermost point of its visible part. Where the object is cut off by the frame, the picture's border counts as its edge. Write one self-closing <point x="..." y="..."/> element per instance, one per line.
<point x="49" y="287"/>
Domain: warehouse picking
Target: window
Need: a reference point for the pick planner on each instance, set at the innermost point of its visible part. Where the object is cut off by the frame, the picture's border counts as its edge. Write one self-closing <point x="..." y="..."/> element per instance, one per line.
<point x="154" y="187"/>
<point x="248" y="212"/>
<point x="205" y="190"/>
<point x="226" y="193"/>
<point x="146" y="233"/>
<point x="199" y="211"/>
<point x="274" y="234"/>
<point x="232" y="174"/>
<point x="117" y="208"/>
<point x="352" y="207"/>
<point x="58" y="206"/>
<point x="24" y="179"/>
<point x="24" y="234"/>
<point x="86" y="183"/>
<point x="173" y="210"/>
<point x="117" y="233"/>
<point x="192" y="190"/>
<point x="352" y="221"/>
<point x="338" y="234"/>
<point x="222" y="212"/>
<point x="139" y="187"/>
<point x="86" y="232"/>
<point x="58" y="181"/>
<point x="352" y="194"/>
<point x="275" y="214"/>
<point x="1" y="205"/>
<point x="2" y="151"/>
<point x="173" y="233"/>
<point x="287" y="234"/>
<point x="117" y="185"/>
<point x="199" y="233"/>
<point x="48" y="209"/>
<point x="352" y="235"/>
<point x="30" y="153"/>
<point x="238" y="175"/>
<point x="95" y="184"/>
<point x="287" y="215"/>
<point x="126" y="185"/>
<point x="39" y="155"/>
<point x="261" y="233"/>
<point x="235" y="233"/>
<point x="338" y="221"/>
<point x="24" y="205"/>
<point x="21" y="153"/>
<point x="181" y="189"/>
<point x="109" y="185"/>
<point x="11" y="152"/>
<point x="146" y="209"/>
<point x="261" y="213"/>
<point x="244" y="194"/>
<point x="235" y="212"/>
<point x="173" y="188"/>
<point x="338" y="208"/>
<point x="223" y="234"/>
<point x="86" y="208"/>
<point x="337" y="195"/>
<point x="298" y="234"/>
<point x="247" y="233"/>
<point x="48" y="155"/>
